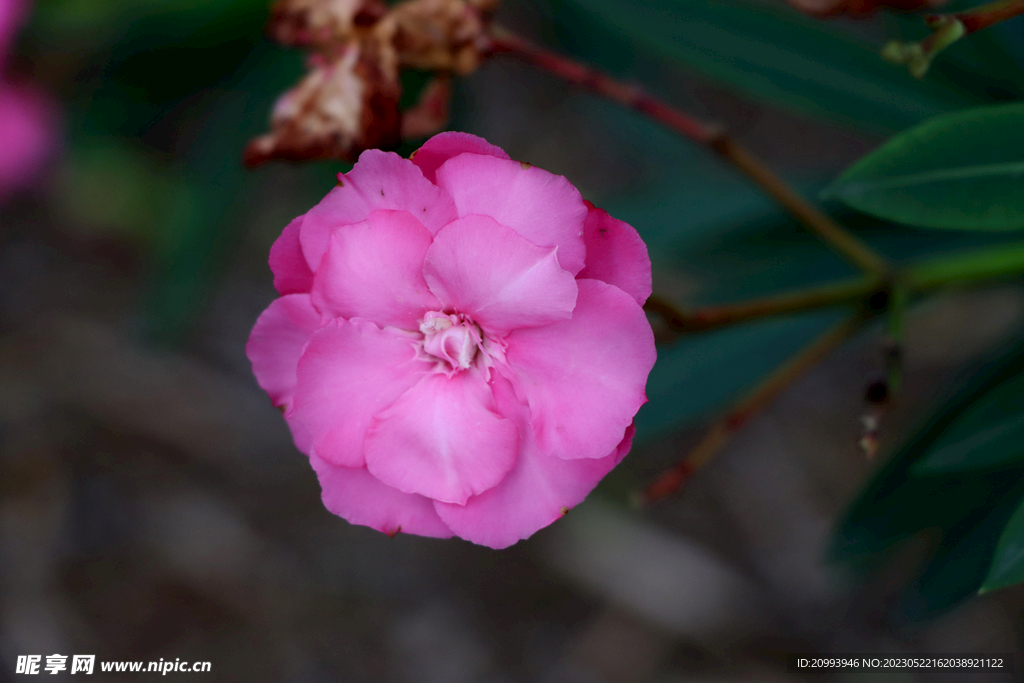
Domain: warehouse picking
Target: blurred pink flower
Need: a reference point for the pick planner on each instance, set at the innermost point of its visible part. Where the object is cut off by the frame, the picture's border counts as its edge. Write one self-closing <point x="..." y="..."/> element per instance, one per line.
<point x="27" y="135"/>
<point x="459" y="346"/>
<point x="28" y="117"/>
<point x="11" y="14"/>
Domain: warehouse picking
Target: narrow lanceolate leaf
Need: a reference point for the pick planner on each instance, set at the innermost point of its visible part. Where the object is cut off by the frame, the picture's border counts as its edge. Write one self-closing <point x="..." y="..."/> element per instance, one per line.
<point x="766" y="51"/>
<point x="1008" y="561"/>
<point x="988" y="433"/>
<point x="962" y="171"/>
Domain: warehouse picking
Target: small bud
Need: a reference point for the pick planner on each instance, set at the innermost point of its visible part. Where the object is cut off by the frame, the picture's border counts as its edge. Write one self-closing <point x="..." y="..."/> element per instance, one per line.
<point x="868" y="445"/>
<point x="918" y="56"/>
<point x="877" y="393"/>
<point x="321" y="22"/>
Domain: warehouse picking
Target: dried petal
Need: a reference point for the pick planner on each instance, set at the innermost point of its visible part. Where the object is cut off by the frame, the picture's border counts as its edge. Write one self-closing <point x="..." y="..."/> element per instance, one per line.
<point x="430" y="114"/>
<point x="320" y="22"/>
<point x="434" y="35"/>
<point x="340" y="108"/>
<point x="348" y="102"/>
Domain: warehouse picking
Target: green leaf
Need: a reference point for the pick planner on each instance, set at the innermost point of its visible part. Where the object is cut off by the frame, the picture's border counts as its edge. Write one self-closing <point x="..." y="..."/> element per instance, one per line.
<point x="1007" y="566"/>
<point x="962" y="515"/>
<point x="987" y="433"/>
<point x="767" y="51"/>
<point x="962" y="503"/>
<point x="958" y="567"/>
<point x="994" y="444"/>
<point x="960" y="171"/>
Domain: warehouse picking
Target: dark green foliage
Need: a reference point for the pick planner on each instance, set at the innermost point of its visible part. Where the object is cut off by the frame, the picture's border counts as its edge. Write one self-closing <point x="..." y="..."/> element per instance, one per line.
<point x="962" y="170"/>
<point x="767" y="51"/>
<point x="962" y="504"/>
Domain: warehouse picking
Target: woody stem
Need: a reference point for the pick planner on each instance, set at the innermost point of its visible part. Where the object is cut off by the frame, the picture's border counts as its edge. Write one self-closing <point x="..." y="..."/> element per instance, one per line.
<point x="873" y="294"/>
<point x="978" y="18"/>
<point x="711" y="136"/>
<point x="683" y="321"/>
<point x="720" y="431"/>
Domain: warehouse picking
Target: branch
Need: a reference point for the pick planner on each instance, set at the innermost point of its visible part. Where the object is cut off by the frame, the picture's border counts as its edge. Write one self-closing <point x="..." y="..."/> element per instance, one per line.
<point x="968" y="267"/>
<point x="711" y="136"/>
<point x="984" y="16"/>
<point x="999" y="261"/>
<point x="875" y="295"/>
<point x="719" y="433"/>
<point x="857" y="290"/>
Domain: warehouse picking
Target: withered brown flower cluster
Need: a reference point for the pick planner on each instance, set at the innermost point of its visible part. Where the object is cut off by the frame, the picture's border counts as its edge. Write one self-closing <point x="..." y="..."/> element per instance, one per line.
<point x="348" y="100"/>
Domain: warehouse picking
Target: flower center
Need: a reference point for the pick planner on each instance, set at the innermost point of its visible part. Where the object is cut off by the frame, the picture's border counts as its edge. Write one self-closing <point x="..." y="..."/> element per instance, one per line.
<point x="453" y="339"/>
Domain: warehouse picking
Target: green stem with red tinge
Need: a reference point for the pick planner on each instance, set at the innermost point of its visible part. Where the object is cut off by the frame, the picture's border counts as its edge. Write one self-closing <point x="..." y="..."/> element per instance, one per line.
<point x="984" y="16"/>
<point x="872" y="293"/>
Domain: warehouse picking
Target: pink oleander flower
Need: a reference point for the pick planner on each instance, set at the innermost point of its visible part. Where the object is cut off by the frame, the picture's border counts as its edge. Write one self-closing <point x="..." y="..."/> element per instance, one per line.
<point x="459" y="346"/>
<point x="12" y="12"/>
<point x="28" y="118"/>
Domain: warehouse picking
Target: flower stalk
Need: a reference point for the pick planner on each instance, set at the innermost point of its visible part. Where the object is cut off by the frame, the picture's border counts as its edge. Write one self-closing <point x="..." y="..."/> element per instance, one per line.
<point x="893" y="342"/>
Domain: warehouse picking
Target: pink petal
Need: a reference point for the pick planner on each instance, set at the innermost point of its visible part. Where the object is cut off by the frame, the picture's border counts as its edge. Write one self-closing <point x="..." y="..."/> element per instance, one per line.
<point x="443" y="439"/>
<point x="12" y="14"/>
<point x="350" y="371"/>
<point x="444" y="146"/>
<point x="544" y="208"/>
<point x="539" y="490"/>
<point x="291" y="272"/>
<point x="276" y="343"/>
<point x="616" y="255"/>
<point x="496" y="277"/>
<point x="357" y="496"/>
<point x="374" y="270"/>
<point x="379" y="180"/>
<point x="584" y="378"/>
<point x="28" y="136"/>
